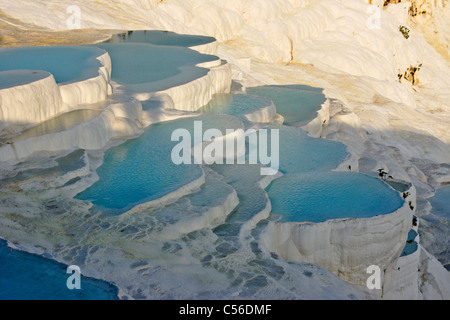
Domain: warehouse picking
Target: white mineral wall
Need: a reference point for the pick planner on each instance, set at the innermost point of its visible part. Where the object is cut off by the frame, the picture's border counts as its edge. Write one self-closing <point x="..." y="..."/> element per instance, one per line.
<point x="118" y="120"/>
<point x="207" y="48"/>
<point x="170" y="197"/>
<point x="195" y="94"/>
<point x="91" y="90"/>
<point x="434" y="278"/>
<point x="316" y="126"/>
<point x="30" y="103"/>
<point x="263" y="115"/>
<point x="402" y="279"/>
<point x="212" y="217"/>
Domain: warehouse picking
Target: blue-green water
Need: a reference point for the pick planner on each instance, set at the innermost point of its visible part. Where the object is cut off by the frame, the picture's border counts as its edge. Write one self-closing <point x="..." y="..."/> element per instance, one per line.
<point x="25" y="276"/>
<point x="400" y="187"/>
<point x="14" y="78"/>
<point x="412" y="234"/>
<point x="441" y="202"/>
<point x="300" y="153"/>
<point x="66" y="63"/>
<point x="409" y="249"/>
<point x="321" y="196"/>
<point x="411" y="245"/>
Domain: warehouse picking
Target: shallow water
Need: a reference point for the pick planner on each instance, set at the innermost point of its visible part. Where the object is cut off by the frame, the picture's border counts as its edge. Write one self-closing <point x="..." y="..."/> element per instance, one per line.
<point x="318" y="197"/>
<point x="300" y="153"/>
<point x="441" y="202"/>
<point x="66" y="63"/>
<point x="400" y="187"/>
<point x="20" y="77"/>
<point x="60" y="123"/>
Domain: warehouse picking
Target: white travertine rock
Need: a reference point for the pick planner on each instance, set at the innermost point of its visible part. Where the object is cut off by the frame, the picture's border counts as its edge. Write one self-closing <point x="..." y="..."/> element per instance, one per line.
<point x="195" y="94"/>
<point x="116" y="121"/>
<point x="212" y="217"/>
<point x="29" y="103"/>
<point x="171" y="197"/>
<point x="207" y="48"/>
<point x="264" y="115"/>
<point x="402" y="279"/>
<point x="434" y="278"/>
<point x="91" y="90"/>
<point x="316" y="126"/>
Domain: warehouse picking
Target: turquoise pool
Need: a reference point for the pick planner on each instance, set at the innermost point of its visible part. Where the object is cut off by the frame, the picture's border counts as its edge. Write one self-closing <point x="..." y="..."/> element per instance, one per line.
<point x="66" y="63"/>
<point x="14" y="78"/>
<point x="300" y="153"/>
<point x="321" y="196"/>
